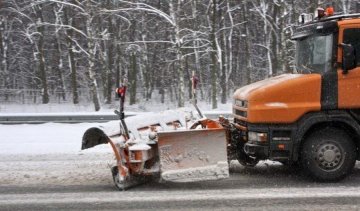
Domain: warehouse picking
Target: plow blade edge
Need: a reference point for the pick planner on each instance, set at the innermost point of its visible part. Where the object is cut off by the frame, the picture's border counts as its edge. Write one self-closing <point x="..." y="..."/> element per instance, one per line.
<point x="193" y="155"/>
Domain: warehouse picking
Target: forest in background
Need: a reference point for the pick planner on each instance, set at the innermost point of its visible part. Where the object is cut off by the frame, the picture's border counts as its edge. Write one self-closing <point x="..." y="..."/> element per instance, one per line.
<point x="79" y="50"/>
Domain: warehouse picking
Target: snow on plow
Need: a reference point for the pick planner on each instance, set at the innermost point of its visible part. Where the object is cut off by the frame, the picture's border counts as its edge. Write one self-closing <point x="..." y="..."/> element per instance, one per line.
<point x="168" y="146"/>
<point x="193" y="155"/>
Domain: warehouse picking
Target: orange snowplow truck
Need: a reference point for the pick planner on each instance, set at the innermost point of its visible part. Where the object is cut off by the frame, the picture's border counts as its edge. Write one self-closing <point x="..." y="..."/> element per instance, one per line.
<point x="311" y="118"/>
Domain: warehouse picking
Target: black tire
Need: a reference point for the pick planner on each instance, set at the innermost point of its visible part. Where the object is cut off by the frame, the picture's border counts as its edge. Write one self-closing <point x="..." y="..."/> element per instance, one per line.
<point x="120" y="185"/>
<point x="129" y="181"/>
<point x="328" y="155"/>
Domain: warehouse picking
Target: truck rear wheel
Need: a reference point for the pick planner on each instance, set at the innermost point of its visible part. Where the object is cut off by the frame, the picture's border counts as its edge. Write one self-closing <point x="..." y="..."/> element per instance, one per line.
<point x="328" y="155"/>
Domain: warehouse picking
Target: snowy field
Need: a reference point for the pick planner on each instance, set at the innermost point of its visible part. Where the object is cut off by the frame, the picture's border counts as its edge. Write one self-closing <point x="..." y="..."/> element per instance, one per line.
<point x="48" y="138"/>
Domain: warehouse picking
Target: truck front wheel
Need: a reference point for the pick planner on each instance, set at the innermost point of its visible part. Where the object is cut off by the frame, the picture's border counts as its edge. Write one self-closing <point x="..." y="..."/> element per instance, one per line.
<point x="328" y="155"/>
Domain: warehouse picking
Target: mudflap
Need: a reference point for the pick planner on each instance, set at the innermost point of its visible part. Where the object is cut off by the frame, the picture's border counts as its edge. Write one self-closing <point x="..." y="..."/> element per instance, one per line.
<point x="92" y="137"/>
<point x="193" y="155"/>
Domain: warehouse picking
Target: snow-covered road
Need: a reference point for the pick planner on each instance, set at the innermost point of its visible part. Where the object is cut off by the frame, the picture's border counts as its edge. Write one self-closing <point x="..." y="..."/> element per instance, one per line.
<point x="231" y="199"/>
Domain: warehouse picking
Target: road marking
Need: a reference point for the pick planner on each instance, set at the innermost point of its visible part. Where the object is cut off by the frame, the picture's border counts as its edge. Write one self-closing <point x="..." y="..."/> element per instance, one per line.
<point x="171" y="195"/>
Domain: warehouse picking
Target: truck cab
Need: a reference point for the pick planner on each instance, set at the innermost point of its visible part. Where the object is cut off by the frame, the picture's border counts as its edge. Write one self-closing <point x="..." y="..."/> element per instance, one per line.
<point x="311" y="117"/>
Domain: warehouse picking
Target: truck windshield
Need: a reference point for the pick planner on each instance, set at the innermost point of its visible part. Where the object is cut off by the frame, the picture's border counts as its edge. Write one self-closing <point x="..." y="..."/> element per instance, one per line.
<point x="314" y="53"/>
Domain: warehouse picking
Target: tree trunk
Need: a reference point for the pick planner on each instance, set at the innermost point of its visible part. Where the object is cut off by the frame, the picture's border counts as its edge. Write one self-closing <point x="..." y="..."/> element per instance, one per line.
<point x="179" y="55"/>
<point x="162" y="76"/>
<point x="91" y="71"/>
<point x="153" y="72"/>
<point x="213" y="74"/>
<point x="118" y="72"/>
<point x="41" y="58"/>
<point x="71" y="57"/>
<point x="274" y="46"/>
<point x="147" y="71"/>
<point x="247" y="49"/>
<point x="58" y="52"/>
<point x="110" y="61"/>
<point x="181" y="84"/>
<point x="267" y="44"/>
<point x="223" y="63"/>
<point x="59" y="68"/>
<point x="188" y="74"/>
<point x="133" y="67"/>
<point x="132" y="78"/>
<point x="230" y="49"/>
<point x="4" y="73"/>
<point x="198" y="70"/>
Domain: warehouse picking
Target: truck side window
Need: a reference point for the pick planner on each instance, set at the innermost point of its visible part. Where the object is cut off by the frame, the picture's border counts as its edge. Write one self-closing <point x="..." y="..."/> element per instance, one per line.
<point x="352" y="36"/>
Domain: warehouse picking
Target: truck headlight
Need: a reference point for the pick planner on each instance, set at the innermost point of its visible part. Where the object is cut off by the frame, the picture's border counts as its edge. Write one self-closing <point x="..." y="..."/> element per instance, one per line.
<point x="257" y="137"/>
<point x="241" y="103"/>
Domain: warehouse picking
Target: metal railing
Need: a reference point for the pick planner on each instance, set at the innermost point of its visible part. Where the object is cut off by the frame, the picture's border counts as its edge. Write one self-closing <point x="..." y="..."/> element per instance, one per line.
<point x="78" y="118"/>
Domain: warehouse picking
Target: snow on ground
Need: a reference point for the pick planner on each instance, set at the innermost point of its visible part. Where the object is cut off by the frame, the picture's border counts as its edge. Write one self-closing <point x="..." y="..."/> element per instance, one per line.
<point x="50" y="154"/>
<point x="48" y="138"/>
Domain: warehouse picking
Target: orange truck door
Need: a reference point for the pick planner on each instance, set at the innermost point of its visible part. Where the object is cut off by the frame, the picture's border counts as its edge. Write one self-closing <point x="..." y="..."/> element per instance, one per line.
<point x="349" y="83"/>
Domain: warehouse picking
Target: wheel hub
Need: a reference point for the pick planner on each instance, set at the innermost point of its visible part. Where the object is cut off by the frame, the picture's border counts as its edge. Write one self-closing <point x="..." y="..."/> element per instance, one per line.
<point x="329" y="156"/>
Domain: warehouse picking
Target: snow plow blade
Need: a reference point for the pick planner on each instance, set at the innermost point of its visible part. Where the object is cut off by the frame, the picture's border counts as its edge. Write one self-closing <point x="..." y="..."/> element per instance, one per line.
<point x="92" y="137"/>
<point x="193" y="155"/>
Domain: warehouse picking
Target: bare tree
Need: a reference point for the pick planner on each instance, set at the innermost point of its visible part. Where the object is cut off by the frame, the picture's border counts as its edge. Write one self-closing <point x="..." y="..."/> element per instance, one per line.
<point x="69" y="37"/>
<point x="174" y="14"/>
<point x="92" y="46"/>
<point x="214" y="57"/>
<point x="39" y="52"/>
<point x="59" y="68"/>
<point x="4" y="34"/>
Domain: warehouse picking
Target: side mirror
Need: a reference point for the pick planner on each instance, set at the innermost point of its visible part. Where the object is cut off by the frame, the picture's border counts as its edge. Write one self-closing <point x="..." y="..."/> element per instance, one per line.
<point x="348" y="58"/>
